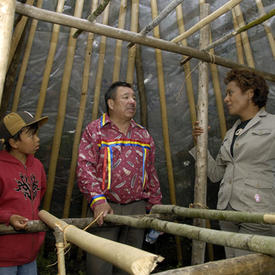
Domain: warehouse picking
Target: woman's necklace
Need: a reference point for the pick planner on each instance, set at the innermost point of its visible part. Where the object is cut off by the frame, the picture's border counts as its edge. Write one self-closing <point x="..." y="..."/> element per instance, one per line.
<point x="238" y="132"/>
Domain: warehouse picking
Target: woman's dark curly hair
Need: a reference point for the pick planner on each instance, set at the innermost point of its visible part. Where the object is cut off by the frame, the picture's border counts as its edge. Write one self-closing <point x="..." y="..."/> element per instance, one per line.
<point x="246" y="79"/>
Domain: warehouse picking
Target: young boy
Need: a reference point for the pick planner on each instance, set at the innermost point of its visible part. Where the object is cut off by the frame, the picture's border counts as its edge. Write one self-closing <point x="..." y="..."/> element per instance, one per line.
<point x="22" y="186"/>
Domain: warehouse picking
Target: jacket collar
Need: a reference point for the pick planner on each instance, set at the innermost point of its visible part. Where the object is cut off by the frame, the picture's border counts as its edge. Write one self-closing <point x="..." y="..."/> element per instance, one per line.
<point x="261" y="113"/>
<point x="105" y="119"/>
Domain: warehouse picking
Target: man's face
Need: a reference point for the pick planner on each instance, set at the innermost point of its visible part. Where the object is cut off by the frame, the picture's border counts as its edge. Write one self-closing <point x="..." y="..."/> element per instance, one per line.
<point x="123" y="106"/>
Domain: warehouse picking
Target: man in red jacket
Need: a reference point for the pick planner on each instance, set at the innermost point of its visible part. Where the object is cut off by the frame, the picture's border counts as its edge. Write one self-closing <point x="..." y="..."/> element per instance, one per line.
<point x="116" y="171"/>
<point x="22" y="186"/>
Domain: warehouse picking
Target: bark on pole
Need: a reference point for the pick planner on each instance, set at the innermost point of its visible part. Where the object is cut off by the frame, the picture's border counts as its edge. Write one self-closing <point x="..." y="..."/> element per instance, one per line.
<point x="253" y="264"/>
<point x="198" y="247"/>
<point x="130" y="259"/>
<point x="7" y="9"/>
<point x="60" y="248"/>
<point x="234" y="216"/>
<point x="125" y="35"/>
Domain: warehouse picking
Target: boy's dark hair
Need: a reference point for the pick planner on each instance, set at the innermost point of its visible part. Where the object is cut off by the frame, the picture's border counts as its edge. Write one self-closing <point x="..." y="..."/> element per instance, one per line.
<point x="111" y="92"/>
<point x="32" y="129"/>
<point x="247" y="79"/>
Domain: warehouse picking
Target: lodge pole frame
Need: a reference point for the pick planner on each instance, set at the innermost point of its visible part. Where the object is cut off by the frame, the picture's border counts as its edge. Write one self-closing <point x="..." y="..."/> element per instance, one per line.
<point x="61" y="110"/>
<point x="112" y="32"/>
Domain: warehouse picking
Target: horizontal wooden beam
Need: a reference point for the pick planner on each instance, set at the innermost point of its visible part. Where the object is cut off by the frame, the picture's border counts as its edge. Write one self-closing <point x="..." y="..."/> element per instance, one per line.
<point x="85" y="25"/>
<point x="253" y="264"/>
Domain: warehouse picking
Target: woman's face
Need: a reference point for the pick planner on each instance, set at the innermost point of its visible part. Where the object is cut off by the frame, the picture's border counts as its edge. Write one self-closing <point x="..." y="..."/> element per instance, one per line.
<point x="237" y="102"/>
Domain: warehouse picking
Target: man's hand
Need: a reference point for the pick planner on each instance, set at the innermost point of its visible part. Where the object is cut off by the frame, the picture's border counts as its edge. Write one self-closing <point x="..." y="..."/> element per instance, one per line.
<point x="18" y="222"/>
<point x="105" y="208"/>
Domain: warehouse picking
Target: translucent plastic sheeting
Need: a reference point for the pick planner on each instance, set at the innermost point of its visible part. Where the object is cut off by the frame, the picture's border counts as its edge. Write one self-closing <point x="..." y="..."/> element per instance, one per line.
<point x="179" y="120"/>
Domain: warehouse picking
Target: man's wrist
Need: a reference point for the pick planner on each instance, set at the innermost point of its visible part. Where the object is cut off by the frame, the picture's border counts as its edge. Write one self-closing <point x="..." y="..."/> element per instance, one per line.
<point x="98" y="199"/>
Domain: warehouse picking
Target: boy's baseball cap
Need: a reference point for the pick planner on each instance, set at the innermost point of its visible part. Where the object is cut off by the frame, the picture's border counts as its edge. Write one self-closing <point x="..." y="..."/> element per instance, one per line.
<point x="13" y="122"/>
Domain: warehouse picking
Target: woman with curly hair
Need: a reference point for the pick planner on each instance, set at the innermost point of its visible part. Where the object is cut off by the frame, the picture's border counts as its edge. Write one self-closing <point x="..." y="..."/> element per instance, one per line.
<point x="245" y="164"/>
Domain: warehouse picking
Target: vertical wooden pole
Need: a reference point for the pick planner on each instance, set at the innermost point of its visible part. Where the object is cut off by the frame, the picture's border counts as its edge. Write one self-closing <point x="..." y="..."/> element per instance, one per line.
<point x="165" y="130"/>
<point x="244" y="36"/>
<point x="238" y="40"/>
<point x="98" y="81"/>
<point x="25" y="61"/>
<point x="218" y="95"/>
<point x="187" y="69"/>
<point x="49" y="63"/>
<point x="81" y="113"/>
<point x="266" y="27"/>
<point x="141" y="88"/>
<point x="19" y="29"/>
<point x="100" y="66"/>
<point x="7" y="9"/>
<point x="198" y="247"/>
<point x="61" y="109"/>
<point x="60" y="250"/>
<point x="121" y="24"/>
<point x="132" y="50"/>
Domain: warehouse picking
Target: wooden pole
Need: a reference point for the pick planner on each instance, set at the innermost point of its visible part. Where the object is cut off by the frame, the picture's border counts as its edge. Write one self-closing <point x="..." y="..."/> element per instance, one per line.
<point x="128" y="258"/>
<point x="187" y="69"/>
<point x="234" y="216"/>
<point x="17" y="33"/>
<point x="49" y="63"/>
<point x="81" y="113"/>
<point x="60" y="249"/>
<point x="164" y="120"/>
<point x="256" y="243"/>
<point x="266" y="27"/>
<point x="198" y="248"/>
<point x="132" y="51"/>
<point x="156" y="21"/>
<point x="238" y="39"/>
<point x="218" y="95"/>
<point x="39" y="226"/>
<point x="94" y="15"/>
<point x="100" y="66"/>
<point x="7" y="9"/>
<point x="11" y="77"/>
<point x="25" y="62"/>
<point x="253" y="264"/>
<point x="61" y="110"/>
<point x="121" y="24"/>
<point x="98" y="82"/>
<point x="244" y="36"/>
<point x="239" y="30"/>
<point x="225" y="8"/>
<point x="141" y="88"/>
<point x="109" y="31"/>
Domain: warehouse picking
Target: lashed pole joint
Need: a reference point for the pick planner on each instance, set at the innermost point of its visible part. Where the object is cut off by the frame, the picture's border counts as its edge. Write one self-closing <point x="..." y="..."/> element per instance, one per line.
<point x="92" y="16"/>
<point x="156" y="21"/>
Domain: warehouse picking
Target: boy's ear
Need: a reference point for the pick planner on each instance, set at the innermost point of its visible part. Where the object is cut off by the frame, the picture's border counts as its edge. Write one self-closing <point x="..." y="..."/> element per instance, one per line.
<point x="13" y="143"/>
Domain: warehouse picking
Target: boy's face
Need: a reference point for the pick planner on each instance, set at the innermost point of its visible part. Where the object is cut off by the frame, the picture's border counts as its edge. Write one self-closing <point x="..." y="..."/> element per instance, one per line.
<point x="28" y="142"/>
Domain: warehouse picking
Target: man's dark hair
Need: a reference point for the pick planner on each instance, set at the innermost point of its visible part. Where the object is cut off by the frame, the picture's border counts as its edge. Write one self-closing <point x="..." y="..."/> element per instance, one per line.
<point x="246" y="79"/>
<point x="111" y="92"/>
<point x="32" y="129"/>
